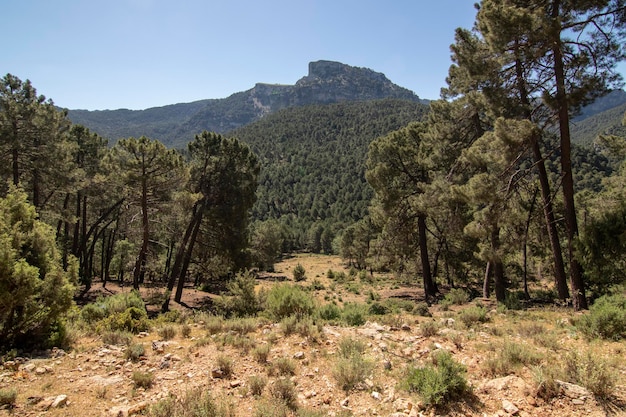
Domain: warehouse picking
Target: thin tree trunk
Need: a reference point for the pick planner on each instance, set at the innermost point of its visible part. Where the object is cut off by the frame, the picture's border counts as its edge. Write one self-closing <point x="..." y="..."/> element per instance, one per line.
<point x="576" y="271"/>
<point x="486" y="289"/>
<point x="498" y="267"/>
<point x="140" y="264"/>
<point x="186" y="261"/>
<point x="430" y="288"/>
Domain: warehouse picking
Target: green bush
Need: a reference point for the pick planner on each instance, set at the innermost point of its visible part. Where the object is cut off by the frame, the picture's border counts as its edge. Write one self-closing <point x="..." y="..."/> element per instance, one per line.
<point x="606" y="318"/>
<point x="106" y="306"/>
<point x="592" y="372"/>
<point x="299" y="273"/>
<point x="35" y="291"/>
<point x="134" y="352"/>
<point x="351" y="370"/>
<point x="243" y="300"/>
<point x="354" y="314"/>
<point x="256" y="384"/>
<point x="197" y="402"/>
<point x="282" y="367"/>
<point x="329" y="312"/>
<point x="132" y="320"/>
<point x="284" y="391"/>
<point x="8" y="397"/>
<point x="378" y="309"/>
<point x="289" y="300"/>
<point x="456" y="296"/>
<point x="473" y="315"/>
<point x="510" y="357"/>
<point x="442" y="381"/>
<point x="117" y="337"/>
<point x="167" y="332"/>
<point x="143" y="379"/>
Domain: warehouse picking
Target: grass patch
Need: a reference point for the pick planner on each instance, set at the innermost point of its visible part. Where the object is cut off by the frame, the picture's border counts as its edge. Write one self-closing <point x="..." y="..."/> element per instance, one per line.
<point x="282" y="367"/>
<point x="473" y="315"/>
<point x="143" y="379"/>
<point x="284" y="391"/>
<point x="167" y="332"/>
<point x="134" y="352"/>
<point x="256" y="384"/>
<point x="196" y="402"/>
<point x="511" y="357"/>
<point x="8" y="396"/>
<point x="592" y="372"/>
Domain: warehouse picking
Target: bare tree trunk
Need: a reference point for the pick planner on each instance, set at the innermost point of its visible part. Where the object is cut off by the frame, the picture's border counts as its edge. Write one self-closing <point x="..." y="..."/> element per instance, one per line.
<point x="486" y="290"/>
<point x="430" y="288"/>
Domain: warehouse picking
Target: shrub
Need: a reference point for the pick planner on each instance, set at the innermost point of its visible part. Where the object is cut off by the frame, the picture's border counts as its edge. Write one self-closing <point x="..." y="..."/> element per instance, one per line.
<point x="443" y="380"/>
<point x="35" y="291"/>
<point x="305" y="327"/>
<point x="510" y="357"/>
<point x="271" y="409"/>
<point x="134" y="352"/>
<point x="606" y="318"/>
<point x="167" y="332"/>
<point x="256" y="384"/>
<point x="378" y="309"/>
<point x="350" y="371"/>
<point x="354" y="314"/>
<point x="288" y="300"/>
<point x="429" y="328"/>
<point x="225" y="365"/>
<point x="284" y="390"/>
<point x="132" y="320"/>
<point x="8" y="397"/>
<point x="282" y="367"/>
<point x="243" y="300"/>
<point x="185" y="330"/>
<point x="349" y="347"/>
<point x="299" y="273"/>
<point x="546" y="382"/>
<point x="329" y="312"/>
<point x="456" y="296"/>
<point x="143" y="379"/>
<point x="196" y="403"/>
<point x="117" y="337"/>
<point x="261" y="353"/>
<point x="473" y="315"/>
<point x="421" y="309"/>
<point x="592" y="372"/>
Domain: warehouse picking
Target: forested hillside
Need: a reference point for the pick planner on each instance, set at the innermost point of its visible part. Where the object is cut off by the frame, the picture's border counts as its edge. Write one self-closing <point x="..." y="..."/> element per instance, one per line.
<point x="313" y="162"/>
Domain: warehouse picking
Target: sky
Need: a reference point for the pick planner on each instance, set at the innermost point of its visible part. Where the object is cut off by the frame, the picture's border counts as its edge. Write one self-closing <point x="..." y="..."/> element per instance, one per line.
<point x="136" y="54"/>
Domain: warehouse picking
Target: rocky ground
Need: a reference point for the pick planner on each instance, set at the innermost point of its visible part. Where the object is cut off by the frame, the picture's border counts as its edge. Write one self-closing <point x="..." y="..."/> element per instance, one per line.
<point x="95" y="379"/>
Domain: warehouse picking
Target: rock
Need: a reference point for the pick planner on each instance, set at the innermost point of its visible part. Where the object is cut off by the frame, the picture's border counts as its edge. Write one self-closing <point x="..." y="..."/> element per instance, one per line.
<point x="505" y="383"/>
<point x="344" y="403"/>
<point x="298" y="355"/>
<point x="235" y="384"/>
<point x="577" y="401"/>
<point x="573" y="391"/>
<point x="40" y="370"/>
<point x="12" y="365"/>
<point x="217" y="373"/>
<point x="509" y="407"/>
<point x="59" y="401"/>
<point x="376" y="395"/>
<point x="402" y="404"/>
<point x="405" y="327"/>
<point x="29" y="367"/>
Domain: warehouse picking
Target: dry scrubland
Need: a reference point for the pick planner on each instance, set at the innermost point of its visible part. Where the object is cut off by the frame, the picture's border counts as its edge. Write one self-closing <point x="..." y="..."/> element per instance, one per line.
<point x="378" y="351"/>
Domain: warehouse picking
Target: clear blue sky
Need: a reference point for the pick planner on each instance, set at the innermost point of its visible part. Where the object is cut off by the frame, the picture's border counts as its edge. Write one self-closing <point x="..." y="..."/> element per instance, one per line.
<point x="110" y="54"/>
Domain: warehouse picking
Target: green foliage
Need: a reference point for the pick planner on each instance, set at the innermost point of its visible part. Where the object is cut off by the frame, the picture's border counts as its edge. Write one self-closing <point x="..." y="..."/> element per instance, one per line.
<point x="167" y="332"/>
<point x="592" y="372"/>
<point x="256" y="384"/>
<point x="510" y="357"/>
<point x="473" y="315"/>
<point x="35" y="291"/>
<point x="243" y="300"/>
<point x="456" y="296"/>
<point x="117" y="337"/>
<point x="286" y="300"/>
<point x="8" y="397"/>
<point x="438" y="383"/>
<point x="261" y="353"/>
<point x="299" y="273"/>
<point x="329" y="312"/>
<point x="283" y="367"/>
<point x="354" y="314"/>
<point x="143" y="379"/>
<point x="224" y="364"/>
<point x="106" y="306"/>
<point x="284" y="391"/>
<point x="196" y="402"/>
<point x="606" y="318"/>
<point x="352" y="367"/>
<point x="134" y="352"/>
<point x="132" y="320"/>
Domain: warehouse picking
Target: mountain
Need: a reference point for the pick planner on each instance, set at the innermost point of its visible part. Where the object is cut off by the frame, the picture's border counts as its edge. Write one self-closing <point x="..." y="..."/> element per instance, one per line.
<point x="602" y="117"/>
<point x="327" y="82"/>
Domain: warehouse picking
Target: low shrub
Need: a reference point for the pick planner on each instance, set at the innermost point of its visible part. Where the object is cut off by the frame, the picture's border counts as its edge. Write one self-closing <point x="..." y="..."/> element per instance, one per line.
<point x="134" y="352"/>
<point x="299" y="273"/>
<point x="196" y="402"/>
<point x="354" y="314"/>
<point x="282" y="367"/>
<point x="442" y="381"/>
<point x="429" y="328"/>
<point x="185" y="330"/>
<point x="289" y="300"/>
<point x="606" y="318"/>
<point x="256" y="384"/>
<point x="242" y="300"/>
<point x="329" y="312"/>
<point x="592" y="372"/>
<point x="8" y="396"/>
<point x="284" y="391"/>
<point x="456" y="296"/>
<point x="349" y="347"/>
<point x="510" y="357"/>
<point x="167" y="332"/>
<point x="473" y="315"/>
<point x="225" y="365"/>
<point x="117" y="337"/>
<point x="132" y="320"/>
<point x="143" y="379"/>
<point x="352" y="367"/>
<point x="261" y="353"/>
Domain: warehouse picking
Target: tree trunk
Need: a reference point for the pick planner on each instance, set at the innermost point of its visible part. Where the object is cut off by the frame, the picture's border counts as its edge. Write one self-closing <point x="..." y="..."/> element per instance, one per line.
<point x="186" y="260"/>
<point x="140" y="263"/>
<point x="486" y="291"/>
<point x="576" y="272"/>
<point x="430" y="288"/>
<point x="498" y="267"/>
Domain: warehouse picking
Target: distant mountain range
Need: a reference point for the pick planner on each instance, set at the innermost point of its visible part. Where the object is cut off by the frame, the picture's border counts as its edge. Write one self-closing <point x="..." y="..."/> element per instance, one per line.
<point x="327" y="82"/>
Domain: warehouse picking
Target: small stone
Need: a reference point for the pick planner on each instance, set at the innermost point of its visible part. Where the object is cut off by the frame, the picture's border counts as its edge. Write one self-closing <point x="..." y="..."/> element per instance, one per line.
<point x="531" y="401"/>
<point x="387" y="365"/>
<point x="217" y="373"/>
<point x="376" y="395"/>
<point x="509" y="407"/>
<point x="29" y="367"/>
<point x="59" y="401"/>
<point x="578" y="401"/>
<point x="310" y="394"/>
<point x="344" y="403"/>
<point x="405" y="327"/>
<point x="298" y="355"/>
<point x="235" y="384"/>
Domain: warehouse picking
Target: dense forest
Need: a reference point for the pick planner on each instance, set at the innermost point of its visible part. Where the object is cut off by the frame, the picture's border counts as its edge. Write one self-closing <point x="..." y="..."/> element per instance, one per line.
<point x="482" y="189"/>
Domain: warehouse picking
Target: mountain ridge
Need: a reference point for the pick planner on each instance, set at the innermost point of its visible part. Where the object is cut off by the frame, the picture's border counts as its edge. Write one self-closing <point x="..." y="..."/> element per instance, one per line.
<point x="327" y="82"/>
